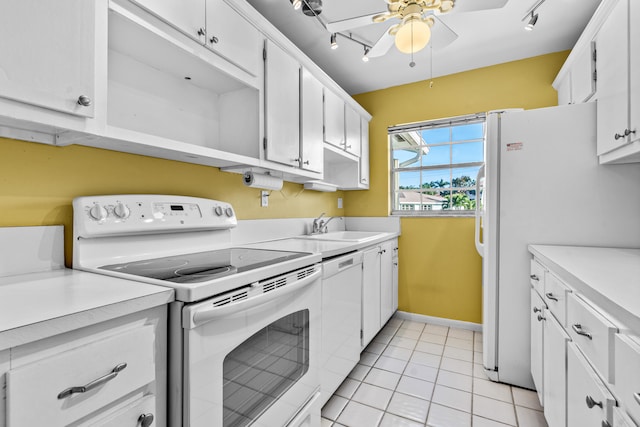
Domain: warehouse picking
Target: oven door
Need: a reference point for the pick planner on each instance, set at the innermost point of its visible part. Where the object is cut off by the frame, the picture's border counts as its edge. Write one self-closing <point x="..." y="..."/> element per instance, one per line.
<point x="253" y="362"/>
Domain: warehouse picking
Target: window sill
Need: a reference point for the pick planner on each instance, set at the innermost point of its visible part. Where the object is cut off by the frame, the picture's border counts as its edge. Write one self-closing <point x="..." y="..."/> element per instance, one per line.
<point x="434" y="214"/>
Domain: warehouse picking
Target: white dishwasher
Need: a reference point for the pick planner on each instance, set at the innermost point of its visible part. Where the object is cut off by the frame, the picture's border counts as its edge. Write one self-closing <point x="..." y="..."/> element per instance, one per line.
<point x="341" y="320"/>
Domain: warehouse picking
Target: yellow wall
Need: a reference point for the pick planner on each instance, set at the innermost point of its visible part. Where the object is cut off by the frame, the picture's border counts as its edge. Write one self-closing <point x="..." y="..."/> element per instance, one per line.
<point x="440" y="272"/>
<point x="38" y="183"/>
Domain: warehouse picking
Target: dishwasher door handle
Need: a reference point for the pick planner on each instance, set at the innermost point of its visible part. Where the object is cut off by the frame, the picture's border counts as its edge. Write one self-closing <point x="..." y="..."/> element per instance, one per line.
<point x="208" y="313"/>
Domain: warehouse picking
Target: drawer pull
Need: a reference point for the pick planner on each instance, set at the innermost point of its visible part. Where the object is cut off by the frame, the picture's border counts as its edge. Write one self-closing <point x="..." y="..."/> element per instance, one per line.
<point x="541" y="318"/>
<point x="550" y="296"/>
<point x="537" y="310"/>
<point x="145" y="420"/>
<point x="534" y="277"/>
<point x="578" y="329"/>
<point x="93" y="384"/>
<point x="636" y="396"/>
<point x="591" y="403"/>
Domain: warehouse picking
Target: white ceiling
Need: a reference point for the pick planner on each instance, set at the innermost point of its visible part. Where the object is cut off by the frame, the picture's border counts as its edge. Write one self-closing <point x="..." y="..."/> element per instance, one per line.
<point x="485" y="37"/>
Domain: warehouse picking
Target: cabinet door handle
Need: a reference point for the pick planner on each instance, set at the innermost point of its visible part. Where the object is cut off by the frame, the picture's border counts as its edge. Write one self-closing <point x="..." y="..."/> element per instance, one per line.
<point x="550" y="296"/>
<point x="537" y="310"/>
<point x="591" y="403"/>
<point x="305" y="162"/>
<point x="213" y="40"/>
<point x="145" y="420"/>
<point x="578" y="329"/>
<point x="628" y="132"/>
<point x="534" y="277"/>
<point x="201" y="32"/>
<point x="605" y="423"/>
<point x="84" y="100"/>
<point x="541" y="318"/>
<point x="617" y="136"/>
<point x="93" y="384"/>
<point x="636" y="396"/>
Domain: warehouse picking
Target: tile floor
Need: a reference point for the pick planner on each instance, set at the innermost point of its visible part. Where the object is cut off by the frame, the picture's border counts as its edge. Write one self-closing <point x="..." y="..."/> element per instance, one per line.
<point x="416" y="374"/>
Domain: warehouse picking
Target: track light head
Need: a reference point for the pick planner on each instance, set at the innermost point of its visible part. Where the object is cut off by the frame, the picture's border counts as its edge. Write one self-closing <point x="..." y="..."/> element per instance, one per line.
<point x="334" y="41"/>
<point x="532" y="22"/>
<point x="365" y="57"/>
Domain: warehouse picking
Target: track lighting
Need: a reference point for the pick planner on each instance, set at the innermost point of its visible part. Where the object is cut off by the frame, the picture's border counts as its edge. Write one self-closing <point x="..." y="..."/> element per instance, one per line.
<point x="532" y="22"/>
<point x="297" y="4"/>
<point x="365" y="58"/>
<point x="334" y="41"/>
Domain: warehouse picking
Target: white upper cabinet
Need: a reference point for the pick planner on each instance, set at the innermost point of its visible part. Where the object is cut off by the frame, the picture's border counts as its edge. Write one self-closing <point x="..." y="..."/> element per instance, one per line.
<point x="364" y="153"/>
<point x="613" y="78"/>
<point x="47" y="54"/>
<point x="282" y="94"/>
<point x="311" y="144"/>
<point x="583" y="78"/>
<point x="230" y="35"/>
<point x="352" y="131"/>
<point x="216" y="25"/>
<point x="186" y="15"/>
<point x="333" y="119"/>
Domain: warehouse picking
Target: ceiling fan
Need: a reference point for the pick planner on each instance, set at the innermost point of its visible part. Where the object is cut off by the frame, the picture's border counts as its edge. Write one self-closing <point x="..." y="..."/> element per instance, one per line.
<point x="417" y="18"/>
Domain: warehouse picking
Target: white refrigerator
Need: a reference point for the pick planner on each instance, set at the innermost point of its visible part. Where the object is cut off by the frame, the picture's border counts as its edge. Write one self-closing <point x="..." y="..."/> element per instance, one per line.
<point x="542" y="185"/>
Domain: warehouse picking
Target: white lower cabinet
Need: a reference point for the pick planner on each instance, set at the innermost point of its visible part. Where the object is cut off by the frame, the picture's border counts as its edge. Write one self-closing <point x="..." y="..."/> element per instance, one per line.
<point x="554" y="360"/>
<point x="589" y="402"/>
<point x="537" y="317"/>
<point x="379" y="288"/>
<point x="627" y="367"/>
<point x="109" y="374"/>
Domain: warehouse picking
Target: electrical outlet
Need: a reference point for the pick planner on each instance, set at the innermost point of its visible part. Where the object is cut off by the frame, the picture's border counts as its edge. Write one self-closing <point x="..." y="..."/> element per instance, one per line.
<point x="264" y="199"/>
<point x="339" y="202"/>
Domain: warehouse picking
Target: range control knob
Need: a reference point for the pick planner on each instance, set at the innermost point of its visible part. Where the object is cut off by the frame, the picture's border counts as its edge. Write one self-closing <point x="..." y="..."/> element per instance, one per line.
<point x="121" y="211"/>
<point x="218" y="210"/>
<point x="229" y="212"/>
<point x="98" y="212"/>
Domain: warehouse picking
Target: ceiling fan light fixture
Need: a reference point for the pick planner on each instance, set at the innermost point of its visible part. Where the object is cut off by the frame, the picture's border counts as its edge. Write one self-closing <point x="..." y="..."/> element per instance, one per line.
<point x="532" y="22"/>
<point x="413" y="35"/>
<point x="365" y="57"/>
<point x="334" y="41"/>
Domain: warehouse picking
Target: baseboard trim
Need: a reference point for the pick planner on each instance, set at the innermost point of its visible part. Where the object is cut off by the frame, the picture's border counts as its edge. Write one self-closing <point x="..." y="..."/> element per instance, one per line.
<point x="477" y="327"/>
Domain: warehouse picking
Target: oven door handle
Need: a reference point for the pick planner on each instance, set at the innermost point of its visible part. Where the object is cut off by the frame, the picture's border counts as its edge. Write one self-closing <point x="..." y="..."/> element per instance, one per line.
<point x="206" y="313"/>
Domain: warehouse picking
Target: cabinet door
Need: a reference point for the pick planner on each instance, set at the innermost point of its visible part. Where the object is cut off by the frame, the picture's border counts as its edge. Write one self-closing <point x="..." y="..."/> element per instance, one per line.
<point x="233" y="37"/>
<point x="311" y="145"/>
<point x="370" y="294"/>
<point x="582" y="76"/>
<point x="564" y="90"/>
<point x="386" y="282"/>
<point x="613" y="75"/>
<point x="187" y="16"/>
<point x="554" y="361"/>
<point x="634" y="69"/>
<point x="352" y="131"/>
<point x="537" y="317"/>
<point x="395" y="269"/>
<point x="47" y="53"/>
<point x="282" y="93"/>
<point x="364" y="153"/>
<point x="333" y="119"/>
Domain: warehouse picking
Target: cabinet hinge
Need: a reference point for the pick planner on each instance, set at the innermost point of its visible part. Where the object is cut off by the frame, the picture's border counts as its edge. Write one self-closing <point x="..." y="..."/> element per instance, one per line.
<point x="264" y="143"/>
<point x="361" y="334"/>
<point x="264" y="54"/>
<point x="595" y="75"/>
<point x="595" y="55"/>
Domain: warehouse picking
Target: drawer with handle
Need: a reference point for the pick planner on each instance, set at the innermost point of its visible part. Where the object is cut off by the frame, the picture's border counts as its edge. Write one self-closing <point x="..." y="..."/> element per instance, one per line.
<point x="593" y="333"/>
<point x="77" y="382"/>
<point x="537" y="276"/>
<point x="555" y="296"/>
<point x="589" y="402"/>
<point x="627" y="366"/>
<point x="140" y="413"/>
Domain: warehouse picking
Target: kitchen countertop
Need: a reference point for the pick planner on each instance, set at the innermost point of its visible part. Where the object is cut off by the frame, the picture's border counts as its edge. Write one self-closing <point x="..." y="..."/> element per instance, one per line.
<point x="327" y="248"/>
<point x="40" y="305"/>
<point x="609" y="277"/>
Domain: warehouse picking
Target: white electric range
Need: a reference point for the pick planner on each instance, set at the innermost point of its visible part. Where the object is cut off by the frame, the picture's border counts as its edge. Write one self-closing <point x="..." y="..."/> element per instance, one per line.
<point x="244" y="331"/>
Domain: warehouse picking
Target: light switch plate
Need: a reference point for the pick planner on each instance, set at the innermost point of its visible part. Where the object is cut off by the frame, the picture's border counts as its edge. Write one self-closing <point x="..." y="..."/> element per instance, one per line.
<point x="339" y="202"/>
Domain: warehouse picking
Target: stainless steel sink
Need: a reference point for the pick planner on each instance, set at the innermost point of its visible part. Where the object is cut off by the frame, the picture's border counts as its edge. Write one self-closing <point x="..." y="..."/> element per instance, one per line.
<point x="345" y="236"/>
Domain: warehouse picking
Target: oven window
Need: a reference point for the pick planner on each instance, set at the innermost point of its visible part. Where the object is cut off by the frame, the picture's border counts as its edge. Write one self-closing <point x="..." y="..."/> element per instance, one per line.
<point x="264" y="367"/>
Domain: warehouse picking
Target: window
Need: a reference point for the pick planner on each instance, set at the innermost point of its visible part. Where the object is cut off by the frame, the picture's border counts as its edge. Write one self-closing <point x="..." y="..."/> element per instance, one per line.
<point x="434" y="166"/>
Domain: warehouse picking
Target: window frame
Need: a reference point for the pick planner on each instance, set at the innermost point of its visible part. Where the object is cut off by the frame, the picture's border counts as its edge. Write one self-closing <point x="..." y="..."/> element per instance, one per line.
<point x="450" y="122"/>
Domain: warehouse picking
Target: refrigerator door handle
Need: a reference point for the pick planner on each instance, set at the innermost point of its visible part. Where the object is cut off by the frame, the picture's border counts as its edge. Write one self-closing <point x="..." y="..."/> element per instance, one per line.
<point x="479" y="212"/>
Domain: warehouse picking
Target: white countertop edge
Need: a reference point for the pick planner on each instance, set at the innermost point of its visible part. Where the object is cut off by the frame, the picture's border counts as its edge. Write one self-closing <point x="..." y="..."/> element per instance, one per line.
<point x="620" y="310"/>
<point x="50" y="327"/>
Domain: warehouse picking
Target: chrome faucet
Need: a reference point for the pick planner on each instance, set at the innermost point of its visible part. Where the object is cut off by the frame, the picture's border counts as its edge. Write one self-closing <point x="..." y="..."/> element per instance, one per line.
<point x="318" y="223"/>
<point x="323" y="224"/>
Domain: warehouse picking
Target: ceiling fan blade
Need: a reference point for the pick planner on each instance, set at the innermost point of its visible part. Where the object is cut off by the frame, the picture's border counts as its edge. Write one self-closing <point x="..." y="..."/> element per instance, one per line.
<point x="382" y="46"/>
<point x="351" y="23"/>
<point x="461" y="6"/>
<point x="441" y="34"/>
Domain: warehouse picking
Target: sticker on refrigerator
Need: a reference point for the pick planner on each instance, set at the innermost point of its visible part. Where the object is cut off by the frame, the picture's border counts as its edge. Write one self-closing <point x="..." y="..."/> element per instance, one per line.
<point x="514" y="146"/>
